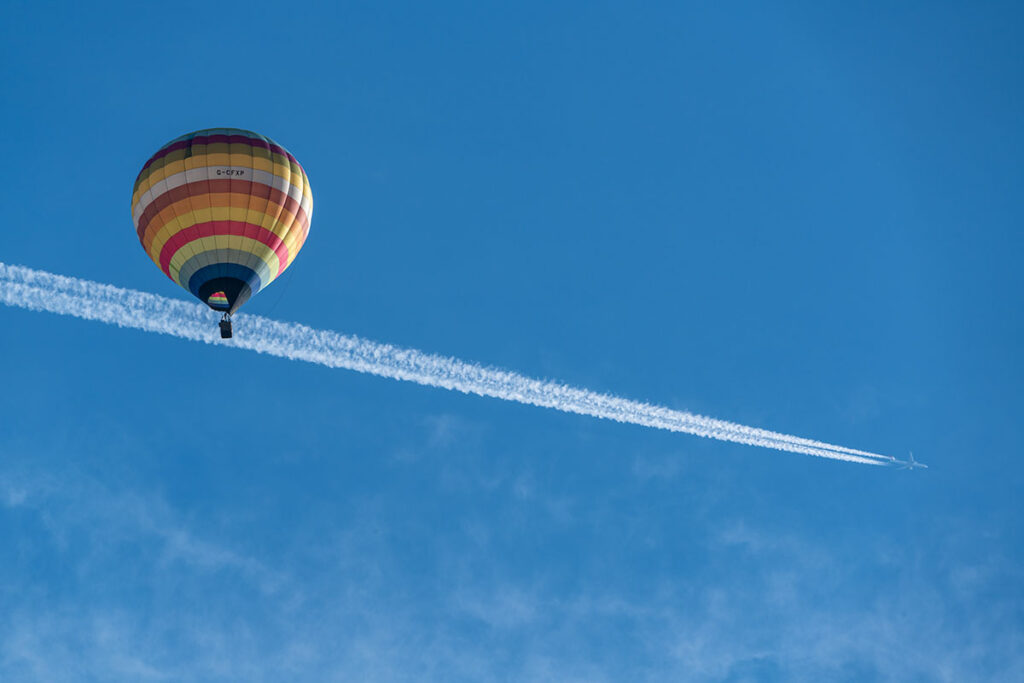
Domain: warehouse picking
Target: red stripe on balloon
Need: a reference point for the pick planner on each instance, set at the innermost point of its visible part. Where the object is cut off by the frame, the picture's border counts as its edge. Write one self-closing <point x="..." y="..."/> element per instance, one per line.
<point x="214" y="228"/>
<point x="219" y="138"/>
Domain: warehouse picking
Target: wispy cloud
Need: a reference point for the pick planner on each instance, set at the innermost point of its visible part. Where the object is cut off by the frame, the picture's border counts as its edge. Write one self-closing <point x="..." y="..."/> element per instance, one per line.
<point x="760" y="604"/>
<point x="73" y="504"/>
<point x="116" y="545"/>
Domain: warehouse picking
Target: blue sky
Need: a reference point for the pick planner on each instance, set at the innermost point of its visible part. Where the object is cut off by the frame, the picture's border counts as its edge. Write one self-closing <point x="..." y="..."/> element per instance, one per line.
<point x="803" y="218"/>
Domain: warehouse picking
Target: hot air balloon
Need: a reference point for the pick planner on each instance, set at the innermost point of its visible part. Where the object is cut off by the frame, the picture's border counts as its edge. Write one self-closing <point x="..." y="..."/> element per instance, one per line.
<point x="223" y="212"/>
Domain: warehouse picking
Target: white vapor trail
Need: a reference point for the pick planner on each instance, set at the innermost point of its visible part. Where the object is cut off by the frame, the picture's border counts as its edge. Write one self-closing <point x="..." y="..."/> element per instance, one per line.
<point x="42" y="291"/>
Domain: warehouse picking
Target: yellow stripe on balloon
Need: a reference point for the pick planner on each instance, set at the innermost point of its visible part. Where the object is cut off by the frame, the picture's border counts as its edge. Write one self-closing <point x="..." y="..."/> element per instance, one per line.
<point x="244" y="244"/>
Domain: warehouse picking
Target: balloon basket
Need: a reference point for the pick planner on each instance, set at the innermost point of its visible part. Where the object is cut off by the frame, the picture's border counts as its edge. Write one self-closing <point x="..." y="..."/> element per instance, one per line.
<point x="225" y="328"/>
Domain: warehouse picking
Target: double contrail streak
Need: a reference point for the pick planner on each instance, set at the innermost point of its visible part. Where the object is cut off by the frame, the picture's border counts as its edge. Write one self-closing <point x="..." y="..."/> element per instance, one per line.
<point x="42" y="291"/>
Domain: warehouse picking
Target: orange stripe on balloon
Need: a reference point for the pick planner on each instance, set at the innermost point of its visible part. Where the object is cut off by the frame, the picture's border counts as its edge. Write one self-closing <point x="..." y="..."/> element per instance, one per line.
<point x="158" y="213"/>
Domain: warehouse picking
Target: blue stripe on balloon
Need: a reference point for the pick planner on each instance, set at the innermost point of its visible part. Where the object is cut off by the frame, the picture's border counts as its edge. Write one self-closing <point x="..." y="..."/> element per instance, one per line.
<point x="235" y="270"/>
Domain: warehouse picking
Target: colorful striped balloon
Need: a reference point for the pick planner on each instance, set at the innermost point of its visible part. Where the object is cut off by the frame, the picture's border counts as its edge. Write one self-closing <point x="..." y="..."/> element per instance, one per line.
<point x="222" y="212"/>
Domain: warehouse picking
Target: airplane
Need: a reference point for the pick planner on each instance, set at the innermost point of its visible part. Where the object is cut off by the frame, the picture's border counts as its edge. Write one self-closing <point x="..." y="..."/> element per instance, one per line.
<point x="910" y="464"/>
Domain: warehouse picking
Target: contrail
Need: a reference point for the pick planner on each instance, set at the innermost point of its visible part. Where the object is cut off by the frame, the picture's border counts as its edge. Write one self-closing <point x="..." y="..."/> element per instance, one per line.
<point x="42" y="291"/>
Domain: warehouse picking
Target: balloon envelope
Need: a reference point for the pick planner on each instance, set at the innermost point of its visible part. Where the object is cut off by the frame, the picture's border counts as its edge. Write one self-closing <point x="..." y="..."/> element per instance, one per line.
<point x="222" y="212"/>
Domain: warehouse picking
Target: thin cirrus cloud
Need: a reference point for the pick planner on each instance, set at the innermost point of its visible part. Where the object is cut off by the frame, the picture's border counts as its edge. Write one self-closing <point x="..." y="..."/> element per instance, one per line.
<point x="798" y="614"/>
<point x="43" y="291"/>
